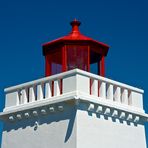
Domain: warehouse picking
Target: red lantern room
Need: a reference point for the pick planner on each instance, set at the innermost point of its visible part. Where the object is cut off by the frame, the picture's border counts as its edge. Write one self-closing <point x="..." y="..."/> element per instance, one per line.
<point x="75" y="51"/>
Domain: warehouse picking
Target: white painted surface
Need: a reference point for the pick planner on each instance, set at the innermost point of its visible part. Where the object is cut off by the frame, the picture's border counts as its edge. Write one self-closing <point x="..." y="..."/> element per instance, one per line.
<point x="39" y="122"/>
<point x="102" y="89"/>
<point x="74" y="80"/>
<point x="74" y="97"/>
<point x="94" y="87"/>
<point x="65" y="128"/>
<point x="40" y="94"/>
<point x="124" y="97"/>
<point x="56" y="87"/>
<point x="98" y="132"/>
<point x="23" y="96"/>
<point x="57" y="126"/>
<point x="110" y="92"/>
<point x="54" y="130"/>
<point x="48" y="89"/>
<point x="117" y="94"/>
<point x="11" y="99"/>
<point x="69" y="84"/>
<point x="137" y="99"/>
<point x="83" y="84"/>
<point x="32" y="94"/>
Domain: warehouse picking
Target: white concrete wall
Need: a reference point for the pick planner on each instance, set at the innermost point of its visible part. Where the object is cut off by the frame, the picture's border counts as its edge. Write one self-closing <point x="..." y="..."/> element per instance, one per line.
<point x="57" y="130"/>
<point x="73" y="128"/>
<point x="68" y="129"/>
<point x="100" y="132"/>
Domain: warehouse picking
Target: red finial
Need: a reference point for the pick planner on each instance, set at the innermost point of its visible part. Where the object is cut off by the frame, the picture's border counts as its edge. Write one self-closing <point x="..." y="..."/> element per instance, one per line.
<point x="75" y="25"/>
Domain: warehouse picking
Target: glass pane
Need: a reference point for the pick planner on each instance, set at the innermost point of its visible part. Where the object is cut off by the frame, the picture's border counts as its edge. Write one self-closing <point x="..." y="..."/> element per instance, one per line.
<point x="77" y="57"/>
<point x="56" y="62"/>
<point x="94" y="68"/>
<point x="94" y="61"/>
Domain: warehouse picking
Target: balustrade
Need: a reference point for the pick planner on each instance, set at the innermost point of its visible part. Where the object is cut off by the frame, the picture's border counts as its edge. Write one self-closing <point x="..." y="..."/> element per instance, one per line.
<point x="74" y="80"/>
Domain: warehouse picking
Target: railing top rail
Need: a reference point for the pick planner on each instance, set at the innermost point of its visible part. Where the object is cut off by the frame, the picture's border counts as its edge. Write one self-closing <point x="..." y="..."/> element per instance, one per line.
<point x="41" y="80"/>
<point x="107" y="80"/>
<point x="68" y="73"/>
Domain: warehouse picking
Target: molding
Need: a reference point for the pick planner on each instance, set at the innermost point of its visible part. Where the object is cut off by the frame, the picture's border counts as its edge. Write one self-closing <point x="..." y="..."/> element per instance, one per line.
<point x="57" y="104"/>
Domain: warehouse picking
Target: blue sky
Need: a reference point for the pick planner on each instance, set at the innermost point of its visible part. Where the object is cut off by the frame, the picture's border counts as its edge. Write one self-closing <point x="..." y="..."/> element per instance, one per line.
<point x="26" y="25"/>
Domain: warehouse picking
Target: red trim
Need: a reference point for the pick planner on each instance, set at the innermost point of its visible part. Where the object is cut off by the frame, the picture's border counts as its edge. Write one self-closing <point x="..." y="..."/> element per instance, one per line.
<point x="99" y="67"/>
<point x="88" y="69"/>
<point x="71" y="37"/>
<point x="88" y="62"/>
<point x="75" y="26"/>
<point x="47" y="66"/>
<point x="75" y="36"/>
<point x="64" y="59"/>
<point x="102" y="66"/>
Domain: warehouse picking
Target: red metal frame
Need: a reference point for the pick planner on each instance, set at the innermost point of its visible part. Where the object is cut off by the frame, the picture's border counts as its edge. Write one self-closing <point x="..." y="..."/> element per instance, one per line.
<point x="102" y="66"/>
<point x="60" y="62"/>
<point x="88" y="61"/>
<point x="64" y="58"/>
<point x="47" y="66"/>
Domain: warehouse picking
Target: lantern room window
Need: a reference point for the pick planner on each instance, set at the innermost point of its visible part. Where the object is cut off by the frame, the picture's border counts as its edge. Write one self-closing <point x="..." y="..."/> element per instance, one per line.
<point x="95" y="59"/>
<point x="54" y="62"/>
<point x="77" y="57"/>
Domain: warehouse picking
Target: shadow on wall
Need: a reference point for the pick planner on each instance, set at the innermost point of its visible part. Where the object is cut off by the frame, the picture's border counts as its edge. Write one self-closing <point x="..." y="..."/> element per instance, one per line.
<point x="48" y="119"/>
<point x="104" y="116"/>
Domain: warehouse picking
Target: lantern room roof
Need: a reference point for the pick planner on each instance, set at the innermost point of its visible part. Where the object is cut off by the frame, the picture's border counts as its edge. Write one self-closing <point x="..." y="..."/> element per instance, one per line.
<point x="75" y="37"/>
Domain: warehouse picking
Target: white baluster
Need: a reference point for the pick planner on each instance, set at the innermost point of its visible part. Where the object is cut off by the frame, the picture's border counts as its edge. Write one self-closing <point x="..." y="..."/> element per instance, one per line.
<point x="31" y="94"/>
<point x="48" y="89"/>
<point x="110" y="92"/>
<point x="18" y="98"/>
<point x="94" y="87"/>
<point x="40" y="94"/>
<point x="56" y="87"/>
<point x="125" y="96"/>
<point x="117" y="95"/>
<point x="102" y="90"/>
<point x="130" y="97"/>
<point x="23" y="96"/>
<point x="17" y="102"/>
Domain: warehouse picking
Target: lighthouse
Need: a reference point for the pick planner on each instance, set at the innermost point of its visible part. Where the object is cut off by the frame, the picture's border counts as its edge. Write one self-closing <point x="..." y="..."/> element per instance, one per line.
<point x="74" y="105"/>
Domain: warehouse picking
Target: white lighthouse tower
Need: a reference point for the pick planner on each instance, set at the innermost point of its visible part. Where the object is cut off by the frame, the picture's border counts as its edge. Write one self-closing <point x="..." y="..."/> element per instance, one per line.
<point x="74" y="105"/>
